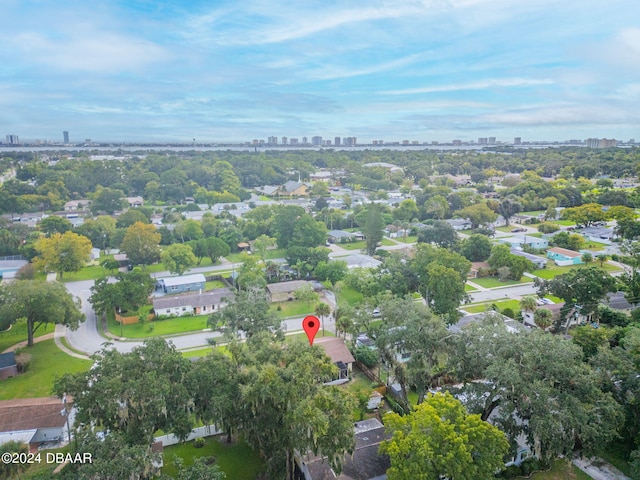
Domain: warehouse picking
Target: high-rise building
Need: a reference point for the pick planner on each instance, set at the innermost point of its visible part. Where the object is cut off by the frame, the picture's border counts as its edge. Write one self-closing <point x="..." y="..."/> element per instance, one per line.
<point x="65" y="136"/>
<point x="316" y="140"/>
<point x="492" y="140"/>
<point x="272" y="140"/>
<point x="482" y="141"/>
<point x="336" y="141"/>
<point x="294" y="141"/>
<point x="13" y="139"/>
<point x="305" y="140"/>
<point x="284" y="140"/>
<point x="600" y="142"/>
<point x="349" y="141"/>
<point x="517" y="140"/>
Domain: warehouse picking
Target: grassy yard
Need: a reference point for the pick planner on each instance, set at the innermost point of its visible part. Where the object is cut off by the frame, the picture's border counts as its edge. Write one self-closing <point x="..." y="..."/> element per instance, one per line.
<point x="292" y="308"/>
<point x="561" y="470"/>
<point x="297" y="337"/>
<point x="214" y="284"/>
<point x="553" y="270"/>
<point x="362" y="244"/>
<point x="47" y="362"/>
<point x="564" y="223"/>
<point x="154" y="328"/>
<point x="349" y="295"/>
<point x="469" y="288"/>
<point x="409" y="239"/>
<point x="18" y="333"/>
<point x="237" y="460"/>
<point x="483" y="307"/>
<point x="617" y="455"/>
<point x="493" y="282"/>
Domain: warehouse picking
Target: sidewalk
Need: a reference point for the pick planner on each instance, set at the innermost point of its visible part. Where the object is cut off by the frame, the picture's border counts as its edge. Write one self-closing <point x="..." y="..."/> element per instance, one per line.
<point x="598" y="469"/>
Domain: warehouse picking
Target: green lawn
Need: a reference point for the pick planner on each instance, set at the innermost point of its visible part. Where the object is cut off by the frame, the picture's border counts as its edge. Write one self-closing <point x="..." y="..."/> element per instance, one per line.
<point x="292" y="308"/>
<point x="493" y="282"/>
<point x="482" y="307"/>
<point x="561" y="470"/>
<point x="564" y="223"/>
<point x="297" y="337"/>
<point x="349" y="295"/>
<point x="409" y="239"/>
<point x="469" y="288"/>
<point x="237" y="460"/>
<point x="553" y="270"/>
<point x="362" y="244"/>
<point x="18" y="333"/>
<point x="154" y="328"/>
<point x="47" y="362"/>
<point x="214" y="284"/>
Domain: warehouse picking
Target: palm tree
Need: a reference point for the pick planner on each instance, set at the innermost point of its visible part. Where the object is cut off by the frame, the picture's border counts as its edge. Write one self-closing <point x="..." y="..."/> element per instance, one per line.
<point x="543" y="317"/>
<point x="528" y="304"/>
<point x="321" y="310"/>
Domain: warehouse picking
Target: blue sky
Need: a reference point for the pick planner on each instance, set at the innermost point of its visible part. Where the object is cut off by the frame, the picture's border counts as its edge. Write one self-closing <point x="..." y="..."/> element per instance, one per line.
<point x="422" y="70"/>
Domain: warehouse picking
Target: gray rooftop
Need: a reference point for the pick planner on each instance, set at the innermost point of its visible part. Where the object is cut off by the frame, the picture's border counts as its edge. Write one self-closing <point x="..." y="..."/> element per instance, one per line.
<point x="183" y="280"/>
<point x="211" y="297"/>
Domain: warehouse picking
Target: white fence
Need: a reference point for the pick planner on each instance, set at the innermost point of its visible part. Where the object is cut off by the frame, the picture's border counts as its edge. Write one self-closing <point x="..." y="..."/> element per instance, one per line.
<point x="206" y="431"/>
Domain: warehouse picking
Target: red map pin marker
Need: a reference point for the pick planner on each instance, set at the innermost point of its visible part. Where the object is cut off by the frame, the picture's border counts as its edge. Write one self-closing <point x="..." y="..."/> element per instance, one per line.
<point x="311" y="326"/>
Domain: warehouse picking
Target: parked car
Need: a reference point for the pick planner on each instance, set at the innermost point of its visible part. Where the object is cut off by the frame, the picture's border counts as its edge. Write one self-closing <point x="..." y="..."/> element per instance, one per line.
<point x="519" y="229"/>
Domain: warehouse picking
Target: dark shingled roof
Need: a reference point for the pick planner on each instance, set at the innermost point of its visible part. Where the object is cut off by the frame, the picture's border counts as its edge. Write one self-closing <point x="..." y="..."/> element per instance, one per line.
<point x="7" y="359"/>
<point x="29" y="413"/>
<point x="211" y="297"/>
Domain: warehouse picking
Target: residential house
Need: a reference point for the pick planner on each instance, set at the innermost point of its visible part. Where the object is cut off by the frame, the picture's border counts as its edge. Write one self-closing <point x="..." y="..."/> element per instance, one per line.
<point x="320" y="176"/>
<point x="598" y="234"/>
<point x="77" y="205"/>
<point x="8" y="365"/>
<point x="294" y="189"/>
<point x="563" y="256"/>
<point x="8" y="268"/>
<point x="340" y="236"/>
<point x="526" y="241"/>
<point x="284" y="291"/>
<point x="38" y="422"/>
<point x="459" y="223"/>
<point x="364" y="464"/>
<point x="359" y="260"/>
<point x="469" y="319"/>
<point x="338" y="353"/>
<point x="134" y="202"/>
<point x="537" y="261"/>
<point x="268" y="190"/>
<point x="198" y="303"/>
<point x="181" y="284"/>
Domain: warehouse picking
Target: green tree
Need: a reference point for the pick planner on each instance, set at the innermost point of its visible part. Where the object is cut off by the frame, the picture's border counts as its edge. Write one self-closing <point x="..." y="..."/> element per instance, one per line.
<point x="284" y="223"/>
<point x="10" y="469"/>
<point x="282" y="386"/>
<point x="582" y="289"/>
<point x="585" y="215"/>
<point x="54" y="224"/>
<point x="445" y="291"/>
<point x="39" y="303"/>
<point x="508" y="207"/>
<point x="322" y="310"/>
<point x="372" y="228"/>
<point x="528" y="303"/>
<point x="406" y="211"/>
<point x="216" y="248"/>
<point x="129" y="293"/>
<point x="478" y="214"/>
<point x="333" y="271"/>
<point x="476" y="247"/>
<point x="250" y="274"/>
<point x="247" y="313"/>
<point x="543" y="318"/>
<point x="107" y="200"/>
<point x="67" y="252"/>
<point x="262" y="244"/>
<point x="130" y="217"/>
<point x="141" y="244"/>
<point x="534" y="384"/>
<point x="440" y="233"/>
<point x="178" y="258"/>
<point x="306" y="294"/>
<point x="135" y="393"/>
<point x="440" y="439"/>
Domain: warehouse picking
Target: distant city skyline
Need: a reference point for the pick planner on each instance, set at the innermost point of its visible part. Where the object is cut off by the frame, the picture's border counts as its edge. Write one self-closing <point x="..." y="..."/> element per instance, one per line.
<point x="231" y="72"/>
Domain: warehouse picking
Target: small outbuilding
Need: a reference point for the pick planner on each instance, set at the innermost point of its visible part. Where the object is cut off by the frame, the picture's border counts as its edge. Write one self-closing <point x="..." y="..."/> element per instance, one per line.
<point x="181" y="284"/>
<point x="8" y="365"/>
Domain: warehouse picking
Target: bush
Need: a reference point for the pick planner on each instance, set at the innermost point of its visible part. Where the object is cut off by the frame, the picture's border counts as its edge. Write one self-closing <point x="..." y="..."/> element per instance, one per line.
<point x="199" y="442"/>
<point x="508" y="312"/>
<point x="366" y="356"/>
<point x="23" y="360"/>
<point x="548" y="227"/>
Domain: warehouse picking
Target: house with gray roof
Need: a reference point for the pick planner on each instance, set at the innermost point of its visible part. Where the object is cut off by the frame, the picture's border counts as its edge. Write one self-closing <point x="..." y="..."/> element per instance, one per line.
<point x="181" y="284"/>
<point x="8" y="365"/>
<point x="199" y="303"/>
<point x="294" y="189"/>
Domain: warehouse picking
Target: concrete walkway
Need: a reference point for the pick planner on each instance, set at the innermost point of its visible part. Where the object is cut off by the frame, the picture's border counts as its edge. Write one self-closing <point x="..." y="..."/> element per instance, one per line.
<point x="39" y="339"/>
<point x="598" y="469"/>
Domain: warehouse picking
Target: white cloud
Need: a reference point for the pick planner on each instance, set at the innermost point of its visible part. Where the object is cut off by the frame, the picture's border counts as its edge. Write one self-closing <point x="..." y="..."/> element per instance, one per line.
<point x="499" y="82"/>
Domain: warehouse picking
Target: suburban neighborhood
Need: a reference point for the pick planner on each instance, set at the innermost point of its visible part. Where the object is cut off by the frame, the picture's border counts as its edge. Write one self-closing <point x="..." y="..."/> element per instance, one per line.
<point x="159" y="314"/>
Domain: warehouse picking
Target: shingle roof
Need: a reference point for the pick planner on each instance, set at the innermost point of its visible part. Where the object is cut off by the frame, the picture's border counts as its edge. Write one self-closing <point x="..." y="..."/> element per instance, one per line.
<point x="7" y="359"/>
<point x="28" y="413"/>
<point x="283" y="287"/>
<point x="565" y="252"/>
<point x="183" y="280"/>
<point x="211" y="297"/>
<point x="291" y="186"/>
<point x="335" y="349"/>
